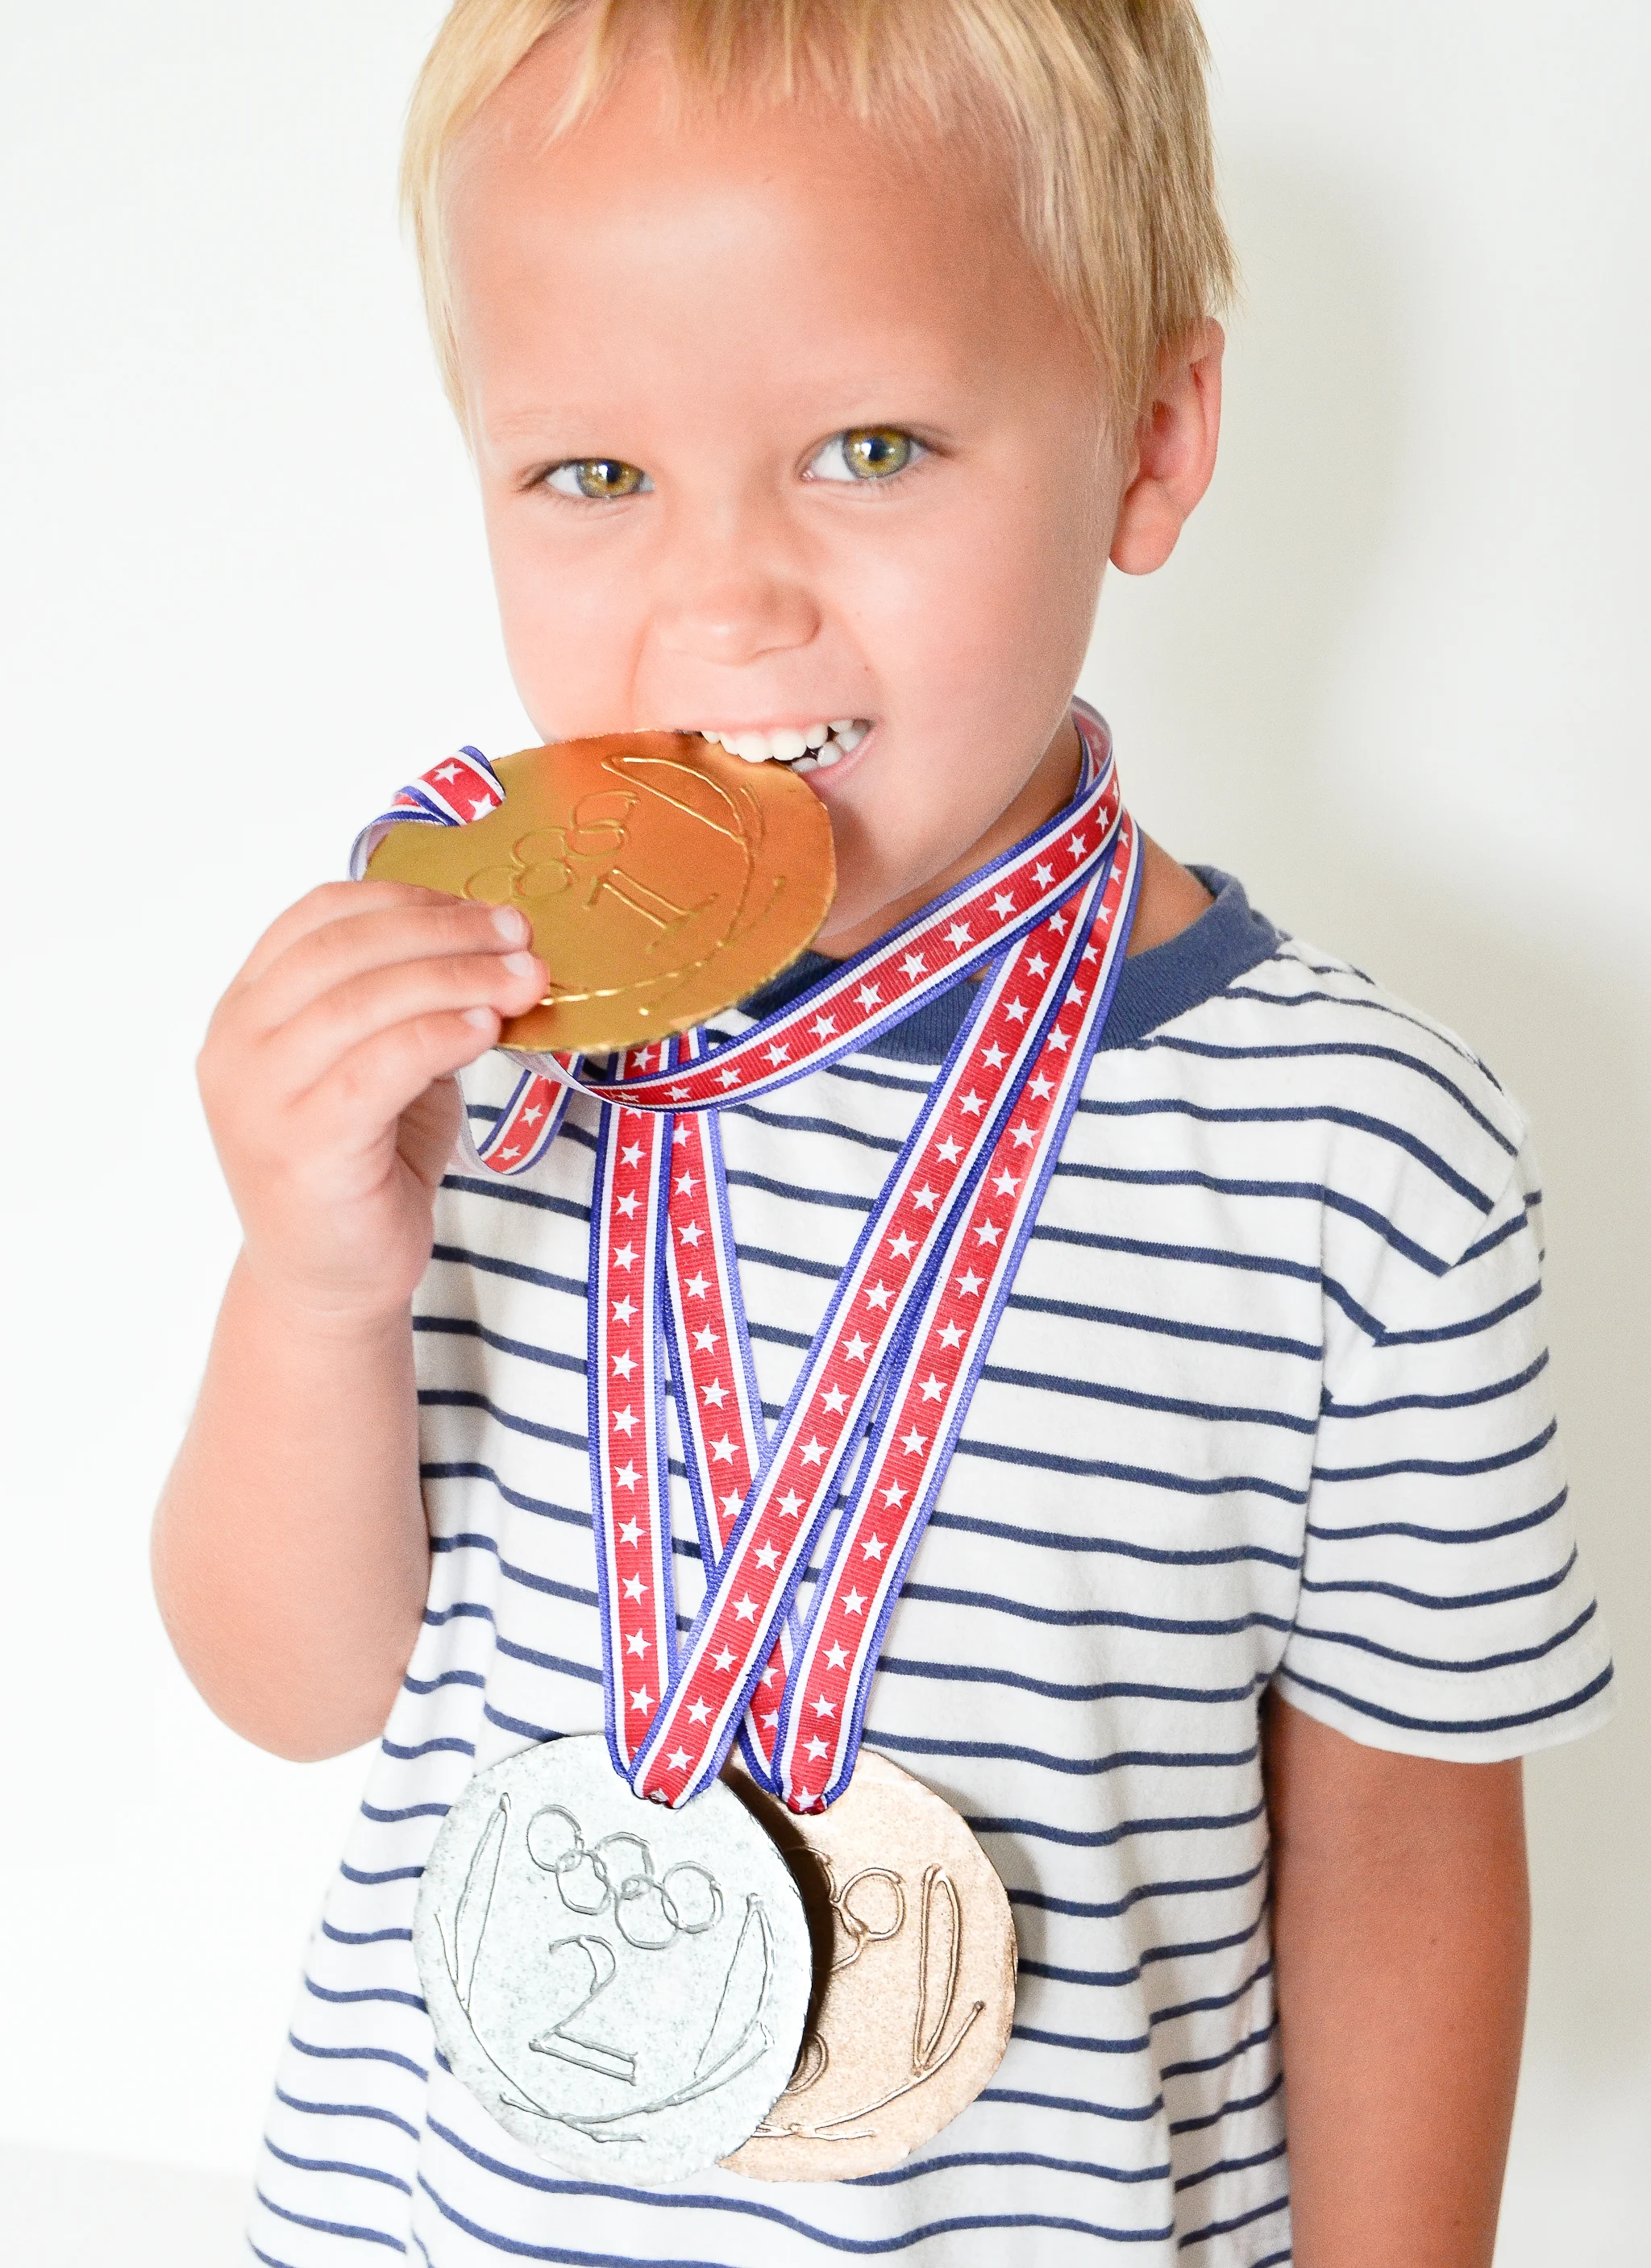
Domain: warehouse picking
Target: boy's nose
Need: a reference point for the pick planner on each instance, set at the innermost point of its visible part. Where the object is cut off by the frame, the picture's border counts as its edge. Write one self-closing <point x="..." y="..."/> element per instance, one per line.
<point x="737" y="616"/>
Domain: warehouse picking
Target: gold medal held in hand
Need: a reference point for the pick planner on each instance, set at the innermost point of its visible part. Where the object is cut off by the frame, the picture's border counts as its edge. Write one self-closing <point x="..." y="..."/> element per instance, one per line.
<point x="664" y="880"/>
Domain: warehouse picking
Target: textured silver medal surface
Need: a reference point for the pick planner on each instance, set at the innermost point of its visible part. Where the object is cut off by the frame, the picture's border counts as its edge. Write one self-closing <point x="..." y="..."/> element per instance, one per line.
<point x="915" y="1969"/>
<point x="621" y="1986"/>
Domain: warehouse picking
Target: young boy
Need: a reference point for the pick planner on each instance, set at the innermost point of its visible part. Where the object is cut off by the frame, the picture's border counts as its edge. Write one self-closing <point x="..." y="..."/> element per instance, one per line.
<point x="815" y="358"/>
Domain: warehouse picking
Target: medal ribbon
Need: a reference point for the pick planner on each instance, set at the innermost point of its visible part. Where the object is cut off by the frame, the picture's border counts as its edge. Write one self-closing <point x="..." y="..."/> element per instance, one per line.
<point x="891" y="1371"/>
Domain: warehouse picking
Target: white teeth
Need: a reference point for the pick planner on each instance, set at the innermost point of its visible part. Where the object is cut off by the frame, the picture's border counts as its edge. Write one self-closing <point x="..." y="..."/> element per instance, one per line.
<point x="819" y="746"/>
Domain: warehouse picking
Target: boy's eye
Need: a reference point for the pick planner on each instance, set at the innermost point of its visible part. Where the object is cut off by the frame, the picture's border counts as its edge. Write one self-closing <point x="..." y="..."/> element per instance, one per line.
<point x="600" y="478"/>
<point x="865" y="452"/>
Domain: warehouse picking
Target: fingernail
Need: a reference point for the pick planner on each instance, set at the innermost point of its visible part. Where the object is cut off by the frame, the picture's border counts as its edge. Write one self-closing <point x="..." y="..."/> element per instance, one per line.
<point x="512" y="925"/>
<point x="521" y="964"/>
<point x="482" y="1018"/>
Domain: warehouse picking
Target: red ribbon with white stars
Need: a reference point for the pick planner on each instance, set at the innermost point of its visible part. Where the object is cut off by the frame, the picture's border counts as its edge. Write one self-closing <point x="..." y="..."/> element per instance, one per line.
<point x="856" y="1460"/>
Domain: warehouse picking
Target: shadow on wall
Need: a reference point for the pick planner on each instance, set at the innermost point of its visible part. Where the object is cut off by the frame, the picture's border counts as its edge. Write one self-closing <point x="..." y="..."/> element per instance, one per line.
<point x="1224" y="673"/>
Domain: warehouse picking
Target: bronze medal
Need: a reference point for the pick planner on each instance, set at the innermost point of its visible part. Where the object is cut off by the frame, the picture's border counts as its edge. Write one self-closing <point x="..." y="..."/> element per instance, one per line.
<point x="664" y="880"/>
<point x="914" y="1978"/>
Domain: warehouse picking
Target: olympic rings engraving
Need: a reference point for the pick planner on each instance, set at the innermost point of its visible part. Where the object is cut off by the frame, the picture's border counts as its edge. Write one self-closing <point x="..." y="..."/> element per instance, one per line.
<point x="649" y="1910"/>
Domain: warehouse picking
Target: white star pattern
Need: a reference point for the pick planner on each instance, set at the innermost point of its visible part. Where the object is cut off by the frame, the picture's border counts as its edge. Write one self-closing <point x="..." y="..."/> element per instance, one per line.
<point x="778" y="1054"/>
<point x="821" y="1707"/>
<point x="1037" y="965"/>
<point x="853" y="1604"/>
<point x="957" y="937"/>
<point x="632" y="1155"/>
<point x="745" y="1608"/>
<point x="625" y="1421"/>
<point x="722" y="1661"/>
<point x="824" y="1026"/>
<point x="893" y="1496"/>
<point x="1005" y="1184"/>
<point x="635" y="1642"/>
<point x="1024" y="1136"/>
<point x="634" y="1587"/>
<point x="951" y="1336"/>
<point x="641" y="1698"/>
<point x="968" y="1284"/>
<point x="698" y="1711"/>
<point x="836" y="1658"/>
<point x="902" y="1246"/>
<point x="716" y="1394"/>
<point x="1015" y="1010"/>
<point x="1003" y="906"/>
<point x="915" y="1443"/>
<point x="948" y="1151"/>
<point x="988" y="1231"/>
<point x="1042" y="876"/>
<point x="705" y="1341"/>
<point x="857" y="1349"/>
<point x="813" y="1452"/>
<point x="766" y="1556"/>
<point x="932" y="1389"/>
<point x="630" y="1533"/>
<point x="696" y="1287"/>
<point x="625" y="1256"/>
<point x="731" y="1506"/>
<point x="628" y="1207"/>
<point x="994" y="1056"/>
<point x="1043" y="1087"/>
<point x="687" y="1184"/>
<point x="723" y="1451"/>
<point x="868" y="996"/>
<point x="912" y="966"/>
<point x="626" y="1476"/>
<point x="972" y="1103"/>
<point x="878" y="1296"/>
<point x="678" y="1760"/>
<point x="790" y="1503"/>
<point x="690" y="1233"/>
<point x="926" y="1199"/>
<point x="817" y="1747"/>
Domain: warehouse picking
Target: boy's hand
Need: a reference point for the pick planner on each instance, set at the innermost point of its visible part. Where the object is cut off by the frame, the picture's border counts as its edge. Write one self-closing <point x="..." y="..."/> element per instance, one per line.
<point x="327" y="1079"/>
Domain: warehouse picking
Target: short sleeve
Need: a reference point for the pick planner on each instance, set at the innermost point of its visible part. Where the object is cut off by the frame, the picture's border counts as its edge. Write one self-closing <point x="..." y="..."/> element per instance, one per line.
<point x="1444" y="1611"/>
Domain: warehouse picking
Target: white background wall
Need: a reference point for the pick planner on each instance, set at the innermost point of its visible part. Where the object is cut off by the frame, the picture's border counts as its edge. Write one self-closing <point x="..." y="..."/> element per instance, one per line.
<point x="1393" y="678"/>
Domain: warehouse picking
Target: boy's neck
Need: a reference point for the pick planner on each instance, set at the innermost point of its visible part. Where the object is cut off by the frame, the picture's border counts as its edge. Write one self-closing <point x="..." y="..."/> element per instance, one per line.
<point x="1171" y="897"/>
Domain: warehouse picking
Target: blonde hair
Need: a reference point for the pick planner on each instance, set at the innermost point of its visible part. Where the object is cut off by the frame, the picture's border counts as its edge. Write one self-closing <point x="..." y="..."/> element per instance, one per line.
<point x="1100" y="105"/>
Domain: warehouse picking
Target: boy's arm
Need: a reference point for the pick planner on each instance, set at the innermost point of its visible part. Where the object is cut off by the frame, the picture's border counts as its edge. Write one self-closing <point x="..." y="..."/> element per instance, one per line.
<point x="291" y="1554"/>
<point x="1401" y="1932"/>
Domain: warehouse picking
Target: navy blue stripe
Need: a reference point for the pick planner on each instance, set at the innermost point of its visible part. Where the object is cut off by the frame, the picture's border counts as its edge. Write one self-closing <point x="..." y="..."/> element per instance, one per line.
<point x="1546" y="1714"/>
<point x="1306" y="1114"/>
<point x="1102" y="1838"/>
<point x="1472" y="1400"/>
<point x="1134" y="2113"/>
<point x="338" y="2165"/>
<point x="1095" y="1617"/>
<point x="1447" y="1602"/>
<point x="1239" y="2221"/>
<point x="1339" y="1050"/>
<point x="368" y="1992"/>
<point x="366" y="1936"/>
<point x="486" y="1263"/>
<point x="1164" y="1327"/>
<point x="1017" y="1680"/>
<point x="1513" y="1527"/>
<point x="1231" y="2108"/>
<point x="1471" y="1327"/>
<point x="1110" y="1909"/>
<point x="1441" y="1468"/>
<point x="1107" y="1469"/>
<point x="1231" y="2166"/>
<point x="1510" y="1660"/>
<point x="1204" y="1413"/>
<point x="1078" y="1767"/>
<point x="355" y="2234"/>
<point x="467" y="1327"/>
<point x="357" y="2055"/>
<point x="467" y="1470"/>
<point x="1054" y="1539"/>
<point x="347" y="2110"/>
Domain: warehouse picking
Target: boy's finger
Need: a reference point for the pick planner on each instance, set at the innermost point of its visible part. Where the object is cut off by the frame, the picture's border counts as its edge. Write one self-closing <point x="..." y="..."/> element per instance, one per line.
<point x="368" y="1088"/>
<point x="330" y="903"/>
<point x="308" y="1047"/>
<point x="338" y="952"/>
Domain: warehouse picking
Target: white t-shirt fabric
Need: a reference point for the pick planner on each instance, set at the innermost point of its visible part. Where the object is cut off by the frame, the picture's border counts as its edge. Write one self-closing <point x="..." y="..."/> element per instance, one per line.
<point x="1269" y="1405"/>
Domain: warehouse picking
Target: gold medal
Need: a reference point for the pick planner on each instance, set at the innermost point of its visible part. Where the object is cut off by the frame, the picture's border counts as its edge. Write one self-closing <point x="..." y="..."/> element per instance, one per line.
<point x="664" y="880"/>
<point x="914" y="1963"/>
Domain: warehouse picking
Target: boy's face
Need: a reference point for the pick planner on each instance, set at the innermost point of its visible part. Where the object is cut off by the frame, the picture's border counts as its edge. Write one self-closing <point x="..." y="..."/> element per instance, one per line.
<point x="686" y="313"/>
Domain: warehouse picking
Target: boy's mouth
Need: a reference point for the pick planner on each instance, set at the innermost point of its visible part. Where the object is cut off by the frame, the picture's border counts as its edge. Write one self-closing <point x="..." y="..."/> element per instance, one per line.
<point x="814" y="748"/>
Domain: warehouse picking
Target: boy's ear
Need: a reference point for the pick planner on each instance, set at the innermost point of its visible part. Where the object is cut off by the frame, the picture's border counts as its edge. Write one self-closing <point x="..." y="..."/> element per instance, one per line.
<point x="1172" y="452"/>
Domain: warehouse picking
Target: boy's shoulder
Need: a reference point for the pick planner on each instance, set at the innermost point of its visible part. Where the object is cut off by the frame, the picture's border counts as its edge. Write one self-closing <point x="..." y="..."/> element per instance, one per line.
<point x="1287" y="1054"/>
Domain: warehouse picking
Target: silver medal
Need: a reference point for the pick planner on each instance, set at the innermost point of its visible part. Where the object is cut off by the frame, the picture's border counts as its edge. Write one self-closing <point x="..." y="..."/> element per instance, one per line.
<point x="621" y="1986"/>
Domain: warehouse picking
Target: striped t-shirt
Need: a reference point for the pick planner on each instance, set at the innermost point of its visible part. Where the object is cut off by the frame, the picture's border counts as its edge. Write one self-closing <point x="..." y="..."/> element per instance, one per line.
<point x="1270" y="1403"/>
